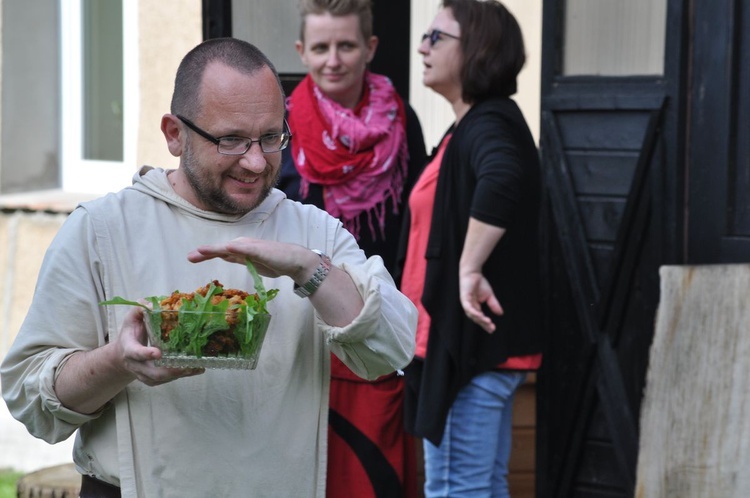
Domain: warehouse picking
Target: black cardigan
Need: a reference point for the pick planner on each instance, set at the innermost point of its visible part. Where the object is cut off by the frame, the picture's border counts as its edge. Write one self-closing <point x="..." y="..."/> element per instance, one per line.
<point x="490" y="171"/>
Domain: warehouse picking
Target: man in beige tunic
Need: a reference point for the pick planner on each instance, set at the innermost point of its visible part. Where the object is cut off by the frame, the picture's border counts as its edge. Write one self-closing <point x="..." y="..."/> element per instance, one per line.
<point x="151" y="431"/>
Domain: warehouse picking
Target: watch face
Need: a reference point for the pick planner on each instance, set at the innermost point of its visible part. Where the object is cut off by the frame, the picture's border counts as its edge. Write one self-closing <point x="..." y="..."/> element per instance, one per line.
<point x="326" y="261"/>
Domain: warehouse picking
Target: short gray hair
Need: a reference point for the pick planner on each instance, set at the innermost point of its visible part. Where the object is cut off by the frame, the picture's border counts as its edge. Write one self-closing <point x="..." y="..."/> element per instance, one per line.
<point x="237" y="54"/>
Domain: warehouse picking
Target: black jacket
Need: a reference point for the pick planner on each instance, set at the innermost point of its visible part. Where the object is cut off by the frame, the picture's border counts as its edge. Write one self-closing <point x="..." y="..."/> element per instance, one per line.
<point x="490" y="171"/>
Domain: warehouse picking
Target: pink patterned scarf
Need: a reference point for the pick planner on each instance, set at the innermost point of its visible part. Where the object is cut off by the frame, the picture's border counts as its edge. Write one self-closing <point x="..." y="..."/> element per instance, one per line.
<point x="358" y="155"/>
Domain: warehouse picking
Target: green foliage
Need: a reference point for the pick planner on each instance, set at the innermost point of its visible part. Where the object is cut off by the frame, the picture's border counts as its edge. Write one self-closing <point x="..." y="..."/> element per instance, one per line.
<point x="8" y="480"/>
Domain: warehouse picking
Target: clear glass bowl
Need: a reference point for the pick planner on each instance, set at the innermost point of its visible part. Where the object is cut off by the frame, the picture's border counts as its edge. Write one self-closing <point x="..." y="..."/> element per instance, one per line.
<point x="228" y="339"/>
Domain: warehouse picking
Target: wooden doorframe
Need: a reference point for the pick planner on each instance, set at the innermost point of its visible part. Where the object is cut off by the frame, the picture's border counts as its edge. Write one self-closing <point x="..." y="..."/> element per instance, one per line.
<point x="717" y="150"/>
<point x="217" y="18"/>
<point x="391" y="24"/>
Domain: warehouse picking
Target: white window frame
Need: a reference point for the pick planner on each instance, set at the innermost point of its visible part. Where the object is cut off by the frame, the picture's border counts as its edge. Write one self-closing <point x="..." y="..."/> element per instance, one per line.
<point x="77" y="173"/>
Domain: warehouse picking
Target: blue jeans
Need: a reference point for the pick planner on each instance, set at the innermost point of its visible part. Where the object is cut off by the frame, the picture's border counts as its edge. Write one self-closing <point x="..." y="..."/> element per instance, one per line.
<point x="472" y="459"/>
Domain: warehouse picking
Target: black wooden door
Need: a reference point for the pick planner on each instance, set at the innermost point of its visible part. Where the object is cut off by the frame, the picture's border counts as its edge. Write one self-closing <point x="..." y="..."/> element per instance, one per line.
<point x="603" y="161"/>
<point x="719" y="131"/>
<point x="610" y="150"/>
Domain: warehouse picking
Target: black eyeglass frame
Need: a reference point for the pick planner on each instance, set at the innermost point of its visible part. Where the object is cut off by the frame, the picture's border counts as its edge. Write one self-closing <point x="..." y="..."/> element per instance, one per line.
<point x="435" y="34"/>
<point x="286" y="137"/>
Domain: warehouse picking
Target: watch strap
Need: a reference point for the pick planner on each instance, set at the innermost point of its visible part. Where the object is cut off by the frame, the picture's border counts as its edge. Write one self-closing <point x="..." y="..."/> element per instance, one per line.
<point x="320" y="274"/>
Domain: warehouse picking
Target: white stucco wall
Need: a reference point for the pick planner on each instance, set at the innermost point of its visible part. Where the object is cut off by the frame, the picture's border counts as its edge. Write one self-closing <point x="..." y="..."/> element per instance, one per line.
<point x="168" y="30"/>
<point x="24" y="238"/>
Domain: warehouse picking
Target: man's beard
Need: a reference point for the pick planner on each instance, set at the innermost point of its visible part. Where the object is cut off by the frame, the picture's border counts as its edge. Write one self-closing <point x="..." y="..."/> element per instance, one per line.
<point x="213" y="196"/>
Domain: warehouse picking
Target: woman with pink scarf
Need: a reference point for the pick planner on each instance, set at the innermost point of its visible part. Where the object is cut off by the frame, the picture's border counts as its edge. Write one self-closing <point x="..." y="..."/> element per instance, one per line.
<point x="356" y="150"/>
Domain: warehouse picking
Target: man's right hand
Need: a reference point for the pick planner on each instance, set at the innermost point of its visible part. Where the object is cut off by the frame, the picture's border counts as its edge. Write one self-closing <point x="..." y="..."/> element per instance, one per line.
<point x="89" y="379"/>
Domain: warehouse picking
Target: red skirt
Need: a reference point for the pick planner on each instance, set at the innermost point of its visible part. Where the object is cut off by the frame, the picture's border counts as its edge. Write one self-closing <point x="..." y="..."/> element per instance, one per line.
<point x="369" y="453"/>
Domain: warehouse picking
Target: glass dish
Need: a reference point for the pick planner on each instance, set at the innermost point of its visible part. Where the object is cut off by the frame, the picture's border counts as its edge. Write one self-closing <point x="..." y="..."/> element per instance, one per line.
<point x="228" y="340"/>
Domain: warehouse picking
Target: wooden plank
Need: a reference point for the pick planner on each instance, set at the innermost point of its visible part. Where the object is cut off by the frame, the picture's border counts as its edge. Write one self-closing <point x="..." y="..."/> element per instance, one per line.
<point x="522" y="451"/>
<point x="601" y="257"/>
<point x="522" y="485"/>
<point x="598" y="431"/>
<point x="711" y="126"/>
<point x="599" y="492"/>
<point x="524" y="407"/>
<point x="630" y="233"/>
<point x="601" y="217"/>
<point x="741" y="175"/>
<point x="572" y="238"/>
<point x="596" y="468"/>
<point x="60" y="481"/>
<point x="602" y="172"/>
<point x="601" y="93"/>
<point x="602" y="130"/>
<point x="695" y="432"/>
<point x="615" y="406"/>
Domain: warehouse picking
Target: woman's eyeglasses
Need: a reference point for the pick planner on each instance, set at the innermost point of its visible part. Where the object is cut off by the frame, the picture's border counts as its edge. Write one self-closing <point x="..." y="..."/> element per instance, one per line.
<point x="435" y="35"/>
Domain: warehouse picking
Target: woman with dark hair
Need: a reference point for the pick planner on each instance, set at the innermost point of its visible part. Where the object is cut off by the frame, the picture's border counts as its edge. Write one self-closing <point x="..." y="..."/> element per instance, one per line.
<point x="470" y="255"/>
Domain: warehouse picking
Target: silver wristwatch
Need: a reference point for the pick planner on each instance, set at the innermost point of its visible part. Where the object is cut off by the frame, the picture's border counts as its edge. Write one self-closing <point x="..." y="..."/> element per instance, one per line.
<point x="320" y="274"/>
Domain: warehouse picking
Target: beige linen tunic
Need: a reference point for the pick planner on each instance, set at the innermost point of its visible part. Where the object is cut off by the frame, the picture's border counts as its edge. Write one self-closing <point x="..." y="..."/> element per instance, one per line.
<point x="258" y="433"/>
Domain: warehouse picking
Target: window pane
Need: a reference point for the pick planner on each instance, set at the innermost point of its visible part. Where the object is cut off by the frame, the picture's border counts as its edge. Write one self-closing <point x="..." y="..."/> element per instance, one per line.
<point x="272" y="26"/>
<point x="102" y="80"/>
<point x="30" y="97"/>
<point x="614" y="37"/>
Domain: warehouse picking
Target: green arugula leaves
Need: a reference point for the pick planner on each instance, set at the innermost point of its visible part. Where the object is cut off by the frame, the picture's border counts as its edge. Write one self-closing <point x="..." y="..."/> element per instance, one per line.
<point x="198" y="319"/>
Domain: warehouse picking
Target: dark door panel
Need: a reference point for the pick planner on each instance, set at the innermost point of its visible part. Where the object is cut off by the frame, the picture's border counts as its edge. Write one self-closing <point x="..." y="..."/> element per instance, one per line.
<point x="639" y="173"/>
<point x="719" y="149"/>
<point x="599" y="224"/>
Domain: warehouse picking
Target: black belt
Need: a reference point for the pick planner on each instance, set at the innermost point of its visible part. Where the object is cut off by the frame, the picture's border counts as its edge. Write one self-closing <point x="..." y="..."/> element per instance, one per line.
<point x="94" y="488"/>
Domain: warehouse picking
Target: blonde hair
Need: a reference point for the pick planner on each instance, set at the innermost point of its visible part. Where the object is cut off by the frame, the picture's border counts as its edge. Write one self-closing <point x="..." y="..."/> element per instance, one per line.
<point x="361" y="8"/>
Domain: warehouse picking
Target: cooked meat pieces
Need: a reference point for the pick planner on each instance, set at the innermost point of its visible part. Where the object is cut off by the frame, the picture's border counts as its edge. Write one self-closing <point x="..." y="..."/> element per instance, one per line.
<point x="221" y="342"/>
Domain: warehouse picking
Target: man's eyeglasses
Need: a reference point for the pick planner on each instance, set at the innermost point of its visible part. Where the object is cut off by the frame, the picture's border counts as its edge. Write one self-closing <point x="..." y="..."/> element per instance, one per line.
<point x="435" y="35"/>
<point x="237" y="146"/>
